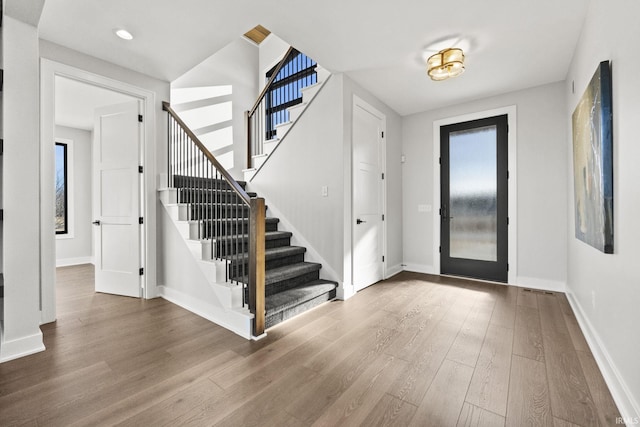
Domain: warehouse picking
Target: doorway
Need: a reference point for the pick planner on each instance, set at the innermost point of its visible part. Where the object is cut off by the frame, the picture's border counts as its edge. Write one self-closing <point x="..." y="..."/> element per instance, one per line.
<point x="368" y="195"/>
<point x="474" y="199"/>
<point x="52" y="73"/>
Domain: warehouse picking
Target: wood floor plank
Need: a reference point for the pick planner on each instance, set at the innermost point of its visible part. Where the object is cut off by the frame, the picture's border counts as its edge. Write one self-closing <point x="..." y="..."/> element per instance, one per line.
<point x="355" y="404"/>
<point x="577" y="337"/>
<point x="527" y="340"/>
<point x="557" y="422"/>
<point x="490" y="384"/>
<point x="528" y="402"/>
<point x="468" y="342"/>
<point x="380" y="358"/>
<point x="443" y="401"/>
<point x="527" y="298"/>
<point x="607" y="410"/>
<point x="568" y="390"/>
<point x="425" y="361"/>
<point x="504" y="312"/>
<point x="390" y="411"/>
<point x="472" y="416"/>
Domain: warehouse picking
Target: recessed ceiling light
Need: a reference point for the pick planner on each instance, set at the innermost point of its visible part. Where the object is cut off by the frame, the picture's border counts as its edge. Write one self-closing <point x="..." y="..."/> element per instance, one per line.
<point x="124" y="34"/>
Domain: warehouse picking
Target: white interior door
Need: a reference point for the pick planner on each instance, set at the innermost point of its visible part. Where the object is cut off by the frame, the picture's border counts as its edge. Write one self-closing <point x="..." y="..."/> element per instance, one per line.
<point x="368" y="127"/>
<point x="116" y="199"/>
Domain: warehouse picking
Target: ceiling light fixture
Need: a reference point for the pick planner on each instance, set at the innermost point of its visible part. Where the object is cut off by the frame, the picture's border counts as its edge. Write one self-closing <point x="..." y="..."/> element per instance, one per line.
<point x="445" y="64"/>
<point x="124" y="34"/>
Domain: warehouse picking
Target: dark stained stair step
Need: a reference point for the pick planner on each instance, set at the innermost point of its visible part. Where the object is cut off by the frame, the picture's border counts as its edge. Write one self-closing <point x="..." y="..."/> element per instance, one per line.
<point x="182" y="181"/>
<point x="287" y="304"/>
<point x="274" y="257"/>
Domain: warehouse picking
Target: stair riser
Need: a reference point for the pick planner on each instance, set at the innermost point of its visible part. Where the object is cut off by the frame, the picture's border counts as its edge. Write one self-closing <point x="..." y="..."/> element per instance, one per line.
<point x="195" y="182"/>
<point x="283" y="285"/>
<point x="231" y="228"/>
<point x="289" y="313"/>
<point x="232" y="248"/>
<point x="203" y="197"/>
<point x="235" y="268"/>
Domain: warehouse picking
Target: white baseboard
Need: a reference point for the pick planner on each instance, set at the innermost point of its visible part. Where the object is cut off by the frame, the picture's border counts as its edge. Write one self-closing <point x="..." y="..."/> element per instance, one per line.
<point x="65" y="262"/>
<point x="238" y="321"/>
<point x="10" y="350"/>
<point x="624" y="399"/>
<point x="392" y="271"/>
<point x="420" y="268"/>
<point x="540" y="284"/>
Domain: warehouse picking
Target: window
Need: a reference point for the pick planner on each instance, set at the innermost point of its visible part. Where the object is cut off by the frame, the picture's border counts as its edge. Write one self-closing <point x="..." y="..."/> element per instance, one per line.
<point x="62" y="189"/>
<point x="297" y="73"/>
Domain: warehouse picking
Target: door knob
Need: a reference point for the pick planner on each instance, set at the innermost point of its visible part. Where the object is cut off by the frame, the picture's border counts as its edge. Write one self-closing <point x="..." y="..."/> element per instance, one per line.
<point x="96" y="222"/>
<point x="359" y="221"/>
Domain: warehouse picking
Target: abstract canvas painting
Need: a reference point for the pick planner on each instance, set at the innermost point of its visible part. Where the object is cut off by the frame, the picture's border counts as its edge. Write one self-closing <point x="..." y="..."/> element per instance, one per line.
<point x="593" y="162"/>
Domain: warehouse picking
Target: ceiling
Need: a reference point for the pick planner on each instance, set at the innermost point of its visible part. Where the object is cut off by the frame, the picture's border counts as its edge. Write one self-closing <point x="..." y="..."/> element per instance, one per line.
<point x="75" y="102"/>
<point x="509" y="44"/>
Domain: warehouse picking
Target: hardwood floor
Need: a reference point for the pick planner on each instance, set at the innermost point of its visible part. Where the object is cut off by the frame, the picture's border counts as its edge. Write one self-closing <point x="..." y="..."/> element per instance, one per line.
<point x="413" y="350"/>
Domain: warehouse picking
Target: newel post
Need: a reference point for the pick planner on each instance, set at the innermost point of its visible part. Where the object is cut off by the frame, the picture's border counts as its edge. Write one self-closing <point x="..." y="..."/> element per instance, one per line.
<point x="256" y="265"/>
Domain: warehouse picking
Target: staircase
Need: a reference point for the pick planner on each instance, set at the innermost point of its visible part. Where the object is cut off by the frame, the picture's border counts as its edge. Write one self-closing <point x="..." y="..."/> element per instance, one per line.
<point x="292" y="286"/>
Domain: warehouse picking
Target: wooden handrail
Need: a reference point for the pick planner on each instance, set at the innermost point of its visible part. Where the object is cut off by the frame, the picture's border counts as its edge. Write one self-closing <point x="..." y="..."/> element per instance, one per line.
<point x="232" y="182"/>
<point x="271" y="79"/>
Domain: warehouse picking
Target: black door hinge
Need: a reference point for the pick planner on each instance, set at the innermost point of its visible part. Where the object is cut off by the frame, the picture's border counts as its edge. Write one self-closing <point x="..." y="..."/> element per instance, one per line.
<point x="507" y="220"/>
<point x="1" y="147"/>
<point x="439" y="249"/>
<point x="382" y="175"/>
<point x="141" y="271"/>
<point x="141" y="220"/>
<point x="439" y="160"/>
<point x="1" y="80"/>
<point x="382" y="258"/>
<point x="1" y="214"/>
<point x="140" y="118"/>
<point x="382" y="133"/>
<point x="383" y="217"/>
<point x="140" y="169"/>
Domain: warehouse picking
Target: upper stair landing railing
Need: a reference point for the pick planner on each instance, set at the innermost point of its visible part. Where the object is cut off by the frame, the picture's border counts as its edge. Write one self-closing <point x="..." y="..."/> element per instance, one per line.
<point x="220" y="205"/>
<point x="283" y="90"/>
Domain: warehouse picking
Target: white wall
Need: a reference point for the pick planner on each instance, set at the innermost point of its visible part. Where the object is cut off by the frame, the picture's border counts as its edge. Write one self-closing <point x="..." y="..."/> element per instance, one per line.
<point x="606" y="288"/>
<point x="309" y="157"/>
<point x="221" y="123"/>
<point x="78" y="248"/>
<point x="541" y="179"/>
<point x="316" y="152"/>
<point x="21" y="185"/>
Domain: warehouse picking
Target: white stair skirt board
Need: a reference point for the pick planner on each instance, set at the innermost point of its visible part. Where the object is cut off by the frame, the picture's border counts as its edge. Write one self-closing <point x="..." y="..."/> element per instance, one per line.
<point x="296" y="111"/>
<point x="270" y="145"/>
<point x="282" y="129"/>
<point x="248" y="173"/>
<point x="237" y="320"/>
<point x="10" y="350"/>
<point x="629" y="408"/>
<point x="259" y="160"/>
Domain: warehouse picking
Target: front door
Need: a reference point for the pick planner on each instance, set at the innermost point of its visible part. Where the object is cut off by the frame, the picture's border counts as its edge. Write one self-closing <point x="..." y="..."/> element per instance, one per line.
<point x="474" y="190"/>
<point x="116" y="199"/>
<point x="368" y="127"/>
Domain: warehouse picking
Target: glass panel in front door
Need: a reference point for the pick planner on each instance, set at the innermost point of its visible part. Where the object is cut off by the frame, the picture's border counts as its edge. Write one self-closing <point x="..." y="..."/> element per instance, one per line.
<point x="473" y="194"/>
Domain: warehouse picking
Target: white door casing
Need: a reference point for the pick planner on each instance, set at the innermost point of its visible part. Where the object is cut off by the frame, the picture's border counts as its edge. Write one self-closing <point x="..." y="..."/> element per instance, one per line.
<point x="367" y="226"/>
<point x="116" y="199"/>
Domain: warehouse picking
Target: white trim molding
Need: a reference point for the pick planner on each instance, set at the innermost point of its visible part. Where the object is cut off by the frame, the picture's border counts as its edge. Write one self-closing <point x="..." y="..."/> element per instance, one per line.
<point x="627" y="405"/>
<point x="540" y="284"/>
<point x="66" y="262"/>
<point x="511" y="112"/>
<point x="24" y="346"/>
<point x="421" y="268"/>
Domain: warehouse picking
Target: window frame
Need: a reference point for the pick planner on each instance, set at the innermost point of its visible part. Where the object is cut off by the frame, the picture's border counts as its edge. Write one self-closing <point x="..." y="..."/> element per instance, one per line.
<point x="68" y="178"/>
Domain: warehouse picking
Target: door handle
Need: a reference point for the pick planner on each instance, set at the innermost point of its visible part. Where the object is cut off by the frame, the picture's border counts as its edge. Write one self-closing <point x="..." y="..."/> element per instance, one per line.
<point x="359" y="221"/>
<point x="96" y="222"/>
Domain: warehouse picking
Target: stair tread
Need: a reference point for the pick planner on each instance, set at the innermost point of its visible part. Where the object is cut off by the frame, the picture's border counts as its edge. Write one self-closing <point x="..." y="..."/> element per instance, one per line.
<point x="280" y="274"/>
<point x="268" y="235"/>
<point x="292" y="297"/>
<point x="273" y="253"/>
